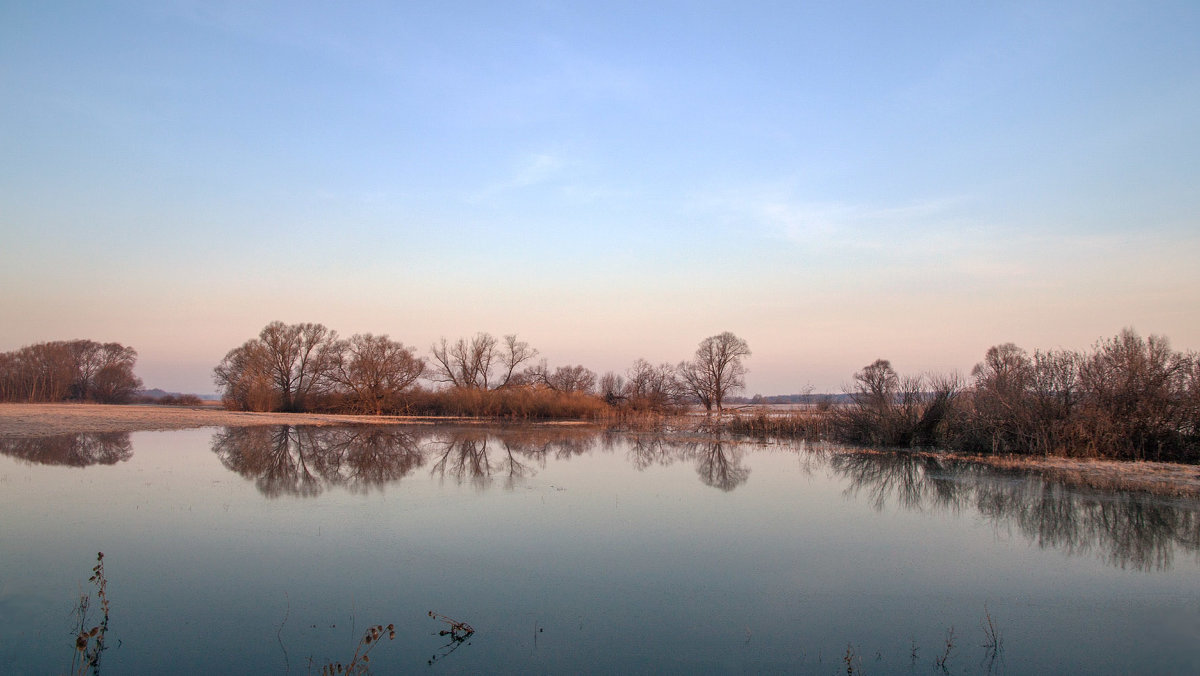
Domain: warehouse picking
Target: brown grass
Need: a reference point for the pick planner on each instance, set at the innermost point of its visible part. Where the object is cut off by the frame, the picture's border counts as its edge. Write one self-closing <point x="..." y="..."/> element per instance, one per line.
<point x="40" y="420"/>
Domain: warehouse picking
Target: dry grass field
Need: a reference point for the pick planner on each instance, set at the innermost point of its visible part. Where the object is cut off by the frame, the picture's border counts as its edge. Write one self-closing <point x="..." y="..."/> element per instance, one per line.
<point x="36" y="420"/>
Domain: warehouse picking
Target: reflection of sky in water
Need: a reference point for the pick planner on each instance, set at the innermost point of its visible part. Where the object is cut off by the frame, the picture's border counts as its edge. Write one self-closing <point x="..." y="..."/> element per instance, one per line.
<point x="632" y="554"/>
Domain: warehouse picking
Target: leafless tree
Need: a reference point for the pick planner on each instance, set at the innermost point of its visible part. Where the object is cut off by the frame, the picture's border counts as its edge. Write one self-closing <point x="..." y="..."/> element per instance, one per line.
<point x="885" y="408"/>
<point x="84" y="370"/>
<point x="470" y="364"/>
<point x="564" y="378"/>
<point x="1137" y="403"/>
<point x="612" y="388"/>
<point x="300" y="356"/>
<point x="650" y="387"/>
<point x="114" y="382"/>
<point x="717" y="370"/>
<point x="465" y="364"/>
<point x="295" y="359"/>
<point x="86" y="363"/>
<point x="1001" y="382"/>
<point x="244" y="378"/>
<point x="375" y="370"/>
<point x="695" y="383"/>
<point x="513" y="354"/>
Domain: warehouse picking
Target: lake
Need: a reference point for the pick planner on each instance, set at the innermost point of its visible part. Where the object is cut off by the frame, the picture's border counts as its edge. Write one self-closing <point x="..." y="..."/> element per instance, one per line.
<point x="569" y="550"/>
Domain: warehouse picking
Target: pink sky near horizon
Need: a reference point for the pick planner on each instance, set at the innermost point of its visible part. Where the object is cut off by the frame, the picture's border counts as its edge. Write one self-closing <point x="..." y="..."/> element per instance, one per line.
<point x="834" y="183"/>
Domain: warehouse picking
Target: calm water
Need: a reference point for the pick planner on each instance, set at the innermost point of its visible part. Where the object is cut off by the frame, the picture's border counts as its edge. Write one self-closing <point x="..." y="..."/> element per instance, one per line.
<point x="271" y="550"/>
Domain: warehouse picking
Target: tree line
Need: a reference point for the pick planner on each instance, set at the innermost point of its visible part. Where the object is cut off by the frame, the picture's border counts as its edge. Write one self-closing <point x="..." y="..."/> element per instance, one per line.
<point x="308" y="367"/>
<point x="1127" y="398"/>
<point x="69" y="370"/>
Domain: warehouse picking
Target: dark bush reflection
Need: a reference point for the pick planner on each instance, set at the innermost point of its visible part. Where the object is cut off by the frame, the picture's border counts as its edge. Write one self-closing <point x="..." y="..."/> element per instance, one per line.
<point x="72" y="450"/>
<point x="479" y="456"/>
<point x="1129" y="530"/>
<point x="304" y="460"/>
<point x="718" y="460"/>
<point x="1126" y="529"/>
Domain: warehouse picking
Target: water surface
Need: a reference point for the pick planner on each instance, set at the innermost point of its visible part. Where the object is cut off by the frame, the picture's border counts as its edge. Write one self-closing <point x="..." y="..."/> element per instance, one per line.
<point x="272" y="550"/>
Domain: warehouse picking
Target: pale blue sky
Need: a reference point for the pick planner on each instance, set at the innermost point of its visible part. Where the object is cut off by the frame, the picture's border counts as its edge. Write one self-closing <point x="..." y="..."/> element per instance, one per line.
<point x="834" y="182"/>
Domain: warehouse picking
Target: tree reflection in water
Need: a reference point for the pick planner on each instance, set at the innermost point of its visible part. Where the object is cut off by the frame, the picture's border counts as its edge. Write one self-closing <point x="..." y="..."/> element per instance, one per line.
<point x="719" y="464"/>
<point x="304" y="460"/>
<point x="465" y="457"/>
<point x="1129" y="530"/>
<point x="72" y="450"/>
<point x="718" y="460"/>
<point x="478" y="456"/>
<point x="1126" y="529"/>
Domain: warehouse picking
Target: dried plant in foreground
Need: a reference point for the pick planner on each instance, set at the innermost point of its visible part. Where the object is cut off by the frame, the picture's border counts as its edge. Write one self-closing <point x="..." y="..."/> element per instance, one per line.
<point x="360" y="662"/>
<point x="89" y="643"/>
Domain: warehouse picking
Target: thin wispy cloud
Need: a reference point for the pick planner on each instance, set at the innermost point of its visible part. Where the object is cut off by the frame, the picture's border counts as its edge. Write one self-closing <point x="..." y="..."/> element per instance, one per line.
<point x="775" y="213"/>
<point x="529" y="171"/>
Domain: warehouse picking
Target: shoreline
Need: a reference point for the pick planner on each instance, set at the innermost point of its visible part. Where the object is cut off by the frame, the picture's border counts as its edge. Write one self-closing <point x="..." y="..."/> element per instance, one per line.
<point x="1163" y="479"/>
<point x="18" y="420"/>
<point x="50" y="419"/>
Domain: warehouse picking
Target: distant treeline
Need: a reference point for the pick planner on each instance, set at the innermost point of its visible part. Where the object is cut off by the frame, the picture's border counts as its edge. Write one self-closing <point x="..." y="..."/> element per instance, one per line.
<point x="1127" y="398"/>
<point x="75" y="370"/>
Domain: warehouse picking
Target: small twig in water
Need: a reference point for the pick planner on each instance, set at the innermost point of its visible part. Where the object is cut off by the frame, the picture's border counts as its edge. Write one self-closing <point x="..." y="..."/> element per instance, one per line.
<point x="287" y="664"/>
<point x="457" y="631"/>
<point x="941" y="661"/>
<point x="992" y="639"/>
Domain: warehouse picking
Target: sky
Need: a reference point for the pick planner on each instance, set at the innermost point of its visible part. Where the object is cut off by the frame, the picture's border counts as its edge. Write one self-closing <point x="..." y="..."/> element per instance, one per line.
<point x="834" y="182"/>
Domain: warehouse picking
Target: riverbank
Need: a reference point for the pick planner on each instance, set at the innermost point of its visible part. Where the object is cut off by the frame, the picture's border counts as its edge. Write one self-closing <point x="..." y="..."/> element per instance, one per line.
<point x="41" y="420"/>
<point x="1159" y="478"/>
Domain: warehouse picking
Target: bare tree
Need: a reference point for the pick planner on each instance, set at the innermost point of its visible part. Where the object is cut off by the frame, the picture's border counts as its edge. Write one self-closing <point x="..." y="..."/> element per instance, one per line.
<point x="717" y="369"/>
<point x="86" y="362"/>
<point x="244" y="378"/>
<point x="464" y="364"/>
<point x="515" y="352"/>
<point x="300" y="358"/>
<point x="469" y="364"/>
<point x="1001" y="382"/>
<point x="79" y="369"/>
<point x="612" y="388"/>
<point x="114" y="382"/>
<point x="1137" y="399"/>
<point x="652" y="387"/>
<point x="563" y="379"/>
<point x="295" y="359"/>
<point x="695" y="383"/>
<point x="885" y="408"/>
<point x="374" y="369"/>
